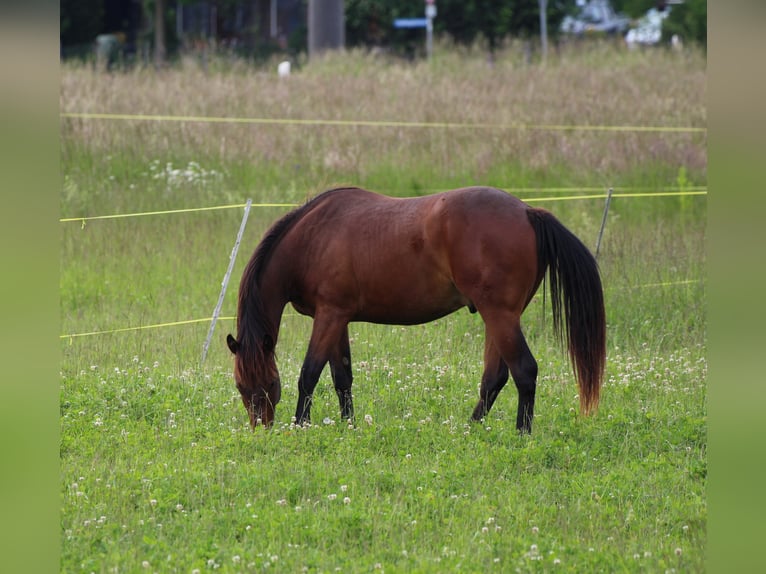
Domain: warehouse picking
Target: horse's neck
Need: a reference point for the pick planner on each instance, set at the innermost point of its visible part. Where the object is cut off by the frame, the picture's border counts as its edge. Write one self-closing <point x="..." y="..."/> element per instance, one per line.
<point x="274" y="297"/>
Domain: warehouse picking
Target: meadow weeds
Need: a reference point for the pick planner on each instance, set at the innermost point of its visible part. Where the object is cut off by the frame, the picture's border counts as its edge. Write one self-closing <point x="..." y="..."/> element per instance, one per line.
<point x="160" y="470"/>
<point x="164" y="468"/>
<point x="291" y="161"/>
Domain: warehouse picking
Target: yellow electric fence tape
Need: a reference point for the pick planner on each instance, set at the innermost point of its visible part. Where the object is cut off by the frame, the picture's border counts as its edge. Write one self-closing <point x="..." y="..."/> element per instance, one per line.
<point x="141" y="327"/>
<point x="686" y="191"/>
<point x="155" y="326"/>
<point x="71" y="336"/>
<point x="190" y="210"/>
<point x="377" y="123"/>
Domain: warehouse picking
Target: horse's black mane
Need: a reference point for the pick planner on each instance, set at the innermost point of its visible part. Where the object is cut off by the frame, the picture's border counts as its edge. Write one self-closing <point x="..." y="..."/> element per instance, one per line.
<point x="253" y="325"/>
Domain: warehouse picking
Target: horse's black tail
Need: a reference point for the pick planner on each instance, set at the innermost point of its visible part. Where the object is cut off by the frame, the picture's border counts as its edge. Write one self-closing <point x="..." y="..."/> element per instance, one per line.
<point x="576" y="290"/>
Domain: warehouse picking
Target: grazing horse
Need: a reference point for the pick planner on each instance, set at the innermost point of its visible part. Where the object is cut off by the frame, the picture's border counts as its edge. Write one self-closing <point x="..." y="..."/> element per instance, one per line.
<point x="353" y="255"/>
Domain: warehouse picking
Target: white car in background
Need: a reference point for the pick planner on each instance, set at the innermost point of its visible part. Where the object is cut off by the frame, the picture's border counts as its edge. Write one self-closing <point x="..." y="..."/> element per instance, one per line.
<point x="648" y="29"/>
<point x="595" y="17"/>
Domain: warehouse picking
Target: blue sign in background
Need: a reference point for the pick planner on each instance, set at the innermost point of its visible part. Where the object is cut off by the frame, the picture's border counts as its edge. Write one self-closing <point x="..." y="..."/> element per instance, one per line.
<point x="410" y="23"/>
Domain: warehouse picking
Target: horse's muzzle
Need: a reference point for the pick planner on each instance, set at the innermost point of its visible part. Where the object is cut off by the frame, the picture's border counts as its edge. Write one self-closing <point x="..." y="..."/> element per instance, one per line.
<point x="261" y="412"/>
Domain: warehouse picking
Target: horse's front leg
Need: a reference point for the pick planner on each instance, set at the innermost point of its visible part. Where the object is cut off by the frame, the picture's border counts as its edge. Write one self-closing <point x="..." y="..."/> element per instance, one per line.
<point x="307" y="382"/>
<point x="342" y="377"/>
<point x="325" y="336"/>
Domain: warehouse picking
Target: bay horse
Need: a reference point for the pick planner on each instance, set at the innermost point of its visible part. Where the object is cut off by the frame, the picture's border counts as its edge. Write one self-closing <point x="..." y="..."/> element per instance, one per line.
<point x="350" y="254"/>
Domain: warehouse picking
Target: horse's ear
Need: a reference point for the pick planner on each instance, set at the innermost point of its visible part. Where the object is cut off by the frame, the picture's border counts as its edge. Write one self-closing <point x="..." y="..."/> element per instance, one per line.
<point x="232" y="343"/>
<point x="268" y="344"/>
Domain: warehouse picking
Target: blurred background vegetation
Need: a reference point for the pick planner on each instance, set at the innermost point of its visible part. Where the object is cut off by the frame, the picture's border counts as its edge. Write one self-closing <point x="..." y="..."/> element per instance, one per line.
<point x="129" y="30"/>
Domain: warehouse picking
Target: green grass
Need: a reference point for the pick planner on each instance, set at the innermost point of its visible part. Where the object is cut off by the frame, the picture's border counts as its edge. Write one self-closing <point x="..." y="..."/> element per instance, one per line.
<point x="160" y="465"/>
<point x="159" y="468"/>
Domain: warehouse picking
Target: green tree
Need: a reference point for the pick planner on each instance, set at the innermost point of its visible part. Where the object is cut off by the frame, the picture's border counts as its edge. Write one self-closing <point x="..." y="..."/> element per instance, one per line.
<point x="496" y="19"/>
<point x="688" y="21"/>
<point x="465" y="21"/>
<point x="370" y="22"/>
<point x="80" y="21"/>
<point x="633" y="8"/>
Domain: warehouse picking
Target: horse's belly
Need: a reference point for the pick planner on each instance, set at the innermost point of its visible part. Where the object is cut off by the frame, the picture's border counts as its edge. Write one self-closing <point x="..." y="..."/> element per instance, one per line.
<point x="404" y="318"/>
<point x="410" y="308"/>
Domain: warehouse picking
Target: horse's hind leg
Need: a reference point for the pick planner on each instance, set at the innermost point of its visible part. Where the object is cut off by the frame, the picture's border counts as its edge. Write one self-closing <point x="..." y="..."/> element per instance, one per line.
<point x="492" y="381"/>
<point x="524" y="373"/>
<point x="507" y="337"/>
<point x="342" y="378"/>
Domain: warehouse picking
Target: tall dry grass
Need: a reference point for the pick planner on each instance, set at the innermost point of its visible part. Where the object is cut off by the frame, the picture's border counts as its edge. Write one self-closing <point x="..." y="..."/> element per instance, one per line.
<point x="601" y="85"/>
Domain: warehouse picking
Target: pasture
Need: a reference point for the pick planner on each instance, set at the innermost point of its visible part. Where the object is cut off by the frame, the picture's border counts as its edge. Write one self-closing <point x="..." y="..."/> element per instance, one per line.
<point x="160" y="470"/>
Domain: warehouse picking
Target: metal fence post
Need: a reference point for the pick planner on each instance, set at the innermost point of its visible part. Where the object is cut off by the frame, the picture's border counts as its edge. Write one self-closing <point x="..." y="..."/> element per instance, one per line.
<point x="603" y="220"/>
<point x="225" y="282"/>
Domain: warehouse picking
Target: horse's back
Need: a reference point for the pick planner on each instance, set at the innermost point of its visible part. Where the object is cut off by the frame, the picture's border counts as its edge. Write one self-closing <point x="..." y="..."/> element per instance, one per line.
<point x="410" y="260"/>
<point x="353" y="204"/>
<point x="485" y="202"/>
<point x="365" y="220"/>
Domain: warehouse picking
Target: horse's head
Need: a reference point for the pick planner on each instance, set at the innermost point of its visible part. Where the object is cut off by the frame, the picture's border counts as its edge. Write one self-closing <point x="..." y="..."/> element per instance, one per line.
<point x="257" y="379"/>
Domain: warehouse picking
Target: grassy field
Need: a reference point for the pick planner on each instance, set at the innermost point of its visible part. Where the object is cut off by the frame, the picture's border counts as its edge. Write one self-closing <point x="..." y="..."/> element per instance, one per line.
<point x="159" y="468"/>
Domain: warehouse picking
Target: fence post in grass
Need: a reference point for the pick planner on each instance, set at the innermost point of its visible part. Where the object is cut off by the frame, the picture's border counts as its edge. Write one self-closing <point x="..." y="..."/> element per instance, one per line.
<point x="225" y="282"/>
<point x="603" y="220"/>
